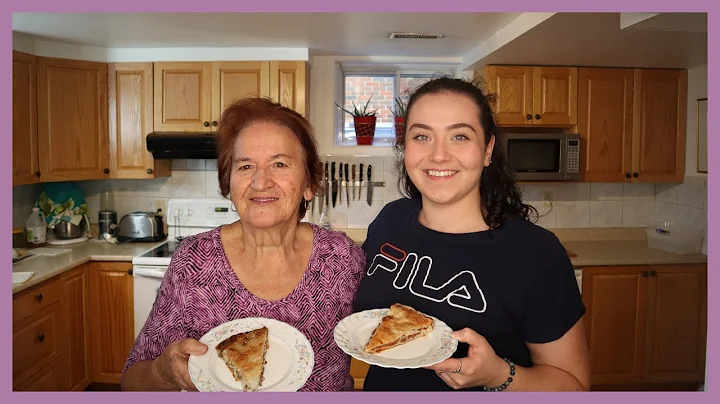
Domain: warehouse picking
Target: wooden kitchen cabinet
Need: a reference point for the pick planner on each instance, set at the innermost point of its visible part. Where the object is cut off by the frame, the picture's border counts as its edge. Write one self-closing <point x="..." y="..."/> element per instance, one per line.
<point x="191" y="96"/>
<point x="38" y="337"/>
<point x="72" y="121"/>
<point x="130" y="88"/>
<point x="25" y="163"/>
<point x="646" y="324"/>
<point x="74" y="295"/>
<point x="534" y="95"/>
<point x="632" y="124"/>
<point x="111" y="319"/>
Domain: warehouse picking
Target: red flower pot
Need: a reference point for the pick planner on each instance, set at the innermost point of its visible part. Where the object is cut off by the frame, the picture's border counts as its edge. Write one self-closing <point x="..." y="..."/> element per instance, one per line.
<point x="364" y="129"/>
<point x="399" y="128"/>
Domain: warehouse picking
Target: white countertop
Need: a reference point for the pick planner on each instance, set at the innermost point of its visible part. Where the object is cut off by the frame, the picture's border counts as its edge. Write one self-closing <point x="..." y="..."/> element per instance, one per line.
<point x="46" y="267"/>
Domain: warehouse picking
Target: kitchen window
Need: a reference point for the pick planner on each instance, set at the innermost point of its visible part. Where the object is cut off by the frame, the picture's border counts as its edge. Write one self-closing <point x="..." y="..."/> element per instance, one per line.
<point x="383" y="86"/>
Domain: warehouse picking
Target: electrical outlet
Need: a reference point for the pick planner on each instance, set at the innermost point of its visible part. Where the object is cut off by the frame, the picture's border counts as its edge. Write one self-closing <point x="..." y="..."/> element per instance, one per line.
<point x="160" y="205"/>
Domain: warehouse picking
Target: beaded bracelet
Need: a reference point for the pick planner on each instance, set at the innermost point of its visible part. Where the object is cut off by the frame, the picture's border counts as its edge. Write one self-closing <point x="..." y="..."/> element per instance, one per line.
<point x="509" y="379"/>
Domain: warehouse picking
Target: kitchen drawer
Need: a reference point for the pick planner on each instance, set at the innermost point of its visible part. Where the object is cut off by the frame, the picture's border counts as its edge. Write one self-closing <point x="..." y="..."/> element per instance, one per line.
<point x="36" y="343"/>
<point x="47" y="379"/>
<point x="31" y="301"/>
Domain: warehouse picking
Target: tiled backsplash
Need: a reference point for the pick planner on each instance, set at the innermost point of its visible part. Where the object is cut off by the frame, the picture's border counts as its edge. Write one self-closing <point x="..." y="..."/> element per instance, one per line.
<point x="574" y="205"/>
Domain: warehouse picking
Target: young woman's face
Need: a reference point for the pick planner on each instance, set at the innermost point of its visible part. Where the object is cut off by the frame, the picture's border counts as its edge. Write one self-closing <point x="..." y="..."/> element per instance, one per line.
<point x="445" y="150"/>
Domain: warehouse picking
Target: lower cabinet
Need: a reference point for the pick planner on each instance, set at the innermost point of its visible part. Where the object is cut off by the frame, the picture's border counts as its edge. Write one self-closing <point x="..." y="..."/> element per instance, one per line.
<point x="646" y="324"/>
<point x="73" y="329"/>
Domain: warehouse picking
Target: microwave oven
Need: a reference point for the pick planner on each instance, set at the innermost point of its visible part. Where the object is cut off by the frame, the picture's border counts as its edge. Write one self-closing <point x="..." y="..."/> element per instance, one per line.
<point x="543" y="156"/>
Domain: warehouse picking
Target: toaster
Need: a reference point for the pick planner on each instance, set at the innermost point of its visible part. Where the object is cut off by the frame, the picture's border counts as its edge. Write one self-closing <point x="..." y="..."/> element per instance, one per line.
<point x="141" y="226"/>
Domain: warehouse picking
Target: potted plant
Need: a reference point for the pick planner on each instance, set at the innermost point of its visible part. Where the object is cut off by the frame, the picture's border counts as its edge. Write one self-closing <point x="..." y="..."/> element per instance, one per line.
<point x="364" y="122"/>
<point x="399" y="116"/>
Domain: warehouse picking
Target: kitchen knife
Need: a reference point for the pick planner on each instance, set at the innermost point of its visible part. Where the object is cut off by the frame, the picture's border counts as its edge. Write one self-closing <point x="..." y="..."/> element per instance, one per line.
<point x="360" y="172"/>
<point x="334" y="183"/>
<point x="340" y="183"/>
<point x="326" y="182"/>
<point x="347" y="184"/>
<point x="353" y="183"/>
<point x="370" y="185"/>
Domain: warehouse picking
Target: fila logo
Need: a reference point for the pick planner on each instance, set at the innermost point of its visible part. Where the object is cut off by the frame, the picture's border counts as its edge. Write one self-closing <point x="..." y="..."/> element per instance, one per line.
<point x="461" y="291"/>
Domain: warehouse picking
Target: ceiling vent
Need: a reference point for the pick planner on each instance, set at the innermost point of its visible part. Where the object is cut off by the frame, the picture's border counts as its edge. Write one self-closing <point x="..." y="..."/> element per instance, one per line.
<point x="410" y="35"/>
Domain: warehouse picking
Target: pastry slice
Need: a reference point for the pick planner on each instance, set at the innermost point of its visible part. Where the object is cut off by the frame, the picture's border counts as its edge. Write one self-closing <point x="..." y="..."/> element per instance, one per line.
<point x="244" y="355"/>
<point x="400" y="325"/>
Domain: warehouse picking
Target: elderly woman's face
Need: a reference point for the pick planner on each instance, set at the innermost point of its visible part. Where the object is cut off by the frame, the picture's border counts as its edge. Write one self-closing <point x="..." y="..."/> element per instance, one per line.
<point x="268" y="180"/>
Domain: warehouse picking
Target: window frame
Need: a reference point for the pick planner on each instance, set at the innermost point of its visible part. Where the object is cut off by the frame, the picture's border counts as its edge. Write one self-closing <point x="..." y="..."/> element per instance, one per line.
<point x="369" y="69"/>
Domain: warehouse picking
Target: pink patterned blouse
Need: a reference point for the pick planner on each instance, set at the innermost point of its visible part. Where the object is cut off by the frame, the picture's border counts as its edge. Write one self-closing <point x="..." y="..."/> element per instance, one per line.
<point x="200" y="291"/>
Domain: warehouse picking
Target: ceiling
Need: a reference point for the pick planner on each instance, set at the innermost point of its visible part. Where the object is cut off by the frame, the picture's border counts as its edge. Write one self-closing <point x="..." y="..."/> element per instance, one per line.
<point x="666" y="40"/>
<point x="324" y="33"/>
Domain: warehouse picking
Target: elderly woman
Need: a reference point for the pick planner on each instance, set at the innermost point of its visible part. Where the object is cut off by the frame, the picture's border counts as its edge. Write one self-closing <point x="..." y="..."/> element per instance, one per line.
<point x="268" y="264"/>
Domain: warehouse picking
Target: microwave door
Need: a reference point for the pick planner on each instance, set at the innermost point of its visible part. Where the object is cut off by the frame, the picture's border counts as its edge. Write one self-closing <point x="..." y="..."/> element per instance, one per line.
<point x="536" y="158"/>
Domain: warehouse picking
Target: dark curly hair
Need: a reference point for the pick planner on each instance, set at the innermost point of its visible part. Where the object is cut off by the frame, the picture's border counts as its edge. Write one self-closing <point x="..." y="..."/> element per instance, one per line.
<point x="500" y="196"/>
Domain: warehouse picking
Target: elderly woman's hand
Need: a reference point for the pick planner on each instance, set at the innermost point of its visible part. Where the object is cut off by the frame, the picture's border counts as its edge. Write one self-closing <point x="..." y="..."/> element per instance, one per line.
<point x="481" y="367"/>
<point x="172" y="365"/>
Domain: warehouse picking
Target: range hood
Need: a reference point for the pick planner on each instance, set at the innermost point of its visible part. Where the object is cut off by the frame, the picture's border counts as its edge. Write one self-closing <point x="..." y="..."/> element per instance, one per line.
<point x="181" y="145"/>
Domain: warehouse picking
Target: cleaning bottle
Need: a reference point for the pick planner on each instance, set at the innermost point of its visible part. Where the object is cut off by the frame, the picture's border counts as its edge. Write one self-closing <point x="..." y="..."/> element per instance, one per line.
<point x="36" y="229"/>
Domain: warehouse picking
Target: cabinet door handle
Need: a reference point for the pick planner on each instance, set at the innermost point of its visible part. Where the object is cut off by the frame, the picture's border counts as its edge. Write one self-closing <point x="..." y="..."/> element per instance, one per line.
<point x="206" y="124"/>
<point x="41" y="338"/>
<point x="39" y="297"/>
<point x="646" y="274"/>
<point x="529" y="117"/>
<point x="130" y="271"/>
<point x="627" y="175"/>
<point x="149" y="171"/>
<point x="653" y="273"/>
<point x="636" y="175"/>
<point x="214" y="123"/>
<point x="537" y="116"/>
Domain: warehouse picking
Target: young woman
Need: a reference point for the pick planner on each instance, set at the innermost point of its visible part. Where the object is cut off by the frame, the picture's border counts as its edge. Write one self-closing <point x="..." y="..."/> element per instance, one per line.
<point x="462" y="248"/>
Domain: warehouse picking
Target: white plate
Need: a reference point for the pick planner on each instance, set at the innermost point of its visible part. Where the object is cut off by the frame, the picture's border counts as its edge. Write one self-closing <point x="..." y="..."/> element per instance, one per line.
<point x="290" y="358"/>
<point x="353" y="332"/>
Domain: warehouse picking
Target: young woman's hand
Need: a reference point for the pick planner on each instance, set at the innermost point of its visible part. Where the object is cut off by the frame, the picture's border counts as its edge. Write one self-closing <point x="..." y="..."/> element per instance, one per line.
<point x="171" y="367"/>
<point x="481" y="367"/>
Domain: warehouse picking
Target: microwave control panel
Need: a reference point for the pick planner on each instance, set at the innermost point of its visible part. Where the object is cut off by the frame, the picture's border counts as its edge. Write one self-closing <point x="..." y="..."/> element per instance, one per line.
<point x="573" y="156"/>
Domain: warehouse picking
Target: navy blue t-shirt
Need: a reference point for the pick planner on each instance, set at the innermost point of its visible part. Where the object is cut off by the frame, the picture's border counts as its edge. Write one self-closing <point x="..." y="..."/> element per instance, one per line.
<point x="513" y="285"/>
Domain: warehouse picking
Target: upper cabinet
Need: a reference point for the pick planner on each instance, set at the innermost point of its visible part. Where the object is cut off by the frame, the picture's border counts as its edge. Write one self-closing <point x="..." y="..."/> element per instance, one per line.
<point x="131" y="119"/>
<point x="631" y="121"/>
<point x="77" y="120"/>
<point x="191" y="96"/>
<point x="632" y="124"/>
<point x="26" y="168"/>
<point x="534" y="96"/>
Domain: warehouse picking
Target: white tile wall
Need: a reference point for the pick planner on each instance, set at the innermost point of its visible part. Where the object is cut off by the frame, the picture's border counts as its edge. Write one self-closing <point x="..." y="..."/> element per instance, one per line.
<point x="573" y="205"/>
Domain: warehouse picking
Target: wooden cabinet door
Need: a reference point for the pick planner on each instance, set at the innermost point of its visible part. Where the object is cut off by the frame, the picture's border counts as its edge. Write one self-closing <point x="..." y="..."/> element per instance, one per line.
<point x="660" y="111"/>
<point x="615" y="298"/>
<point x="513" y="86"/>
<point x="26" y="169"/>
<point x="555" y="96"/>
<point x="131" y="120"/>
<point x="111" y="319"/>
<point x="288" y="84"/>
<point x="182" y="96"/>
<point x="676" y="324"/>
<point x="75" y="301"/>
<point x="232" y="81"/>
<point x="72" y="119"/>
<point x="605" y="123"/>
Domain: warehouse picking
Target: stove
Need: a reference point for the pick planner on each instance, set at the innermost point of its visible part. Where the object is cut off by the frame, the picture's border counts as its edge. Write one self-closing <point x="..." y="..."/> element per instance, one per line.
<point x="185" y="217"/>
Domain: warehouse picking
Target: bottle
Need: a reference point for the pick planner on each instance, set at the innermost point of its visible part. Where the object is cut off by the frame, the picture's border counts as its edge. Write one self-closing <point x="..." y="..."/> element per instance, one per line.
<point x="36" y="229"/>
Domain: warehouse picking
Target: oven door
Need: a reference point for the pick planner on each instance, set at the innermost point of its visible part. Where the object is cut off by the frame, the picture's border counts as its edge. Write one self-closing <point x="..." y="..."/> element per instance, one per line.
<point x="146" y="286"/>
<point x="537" y="156"/>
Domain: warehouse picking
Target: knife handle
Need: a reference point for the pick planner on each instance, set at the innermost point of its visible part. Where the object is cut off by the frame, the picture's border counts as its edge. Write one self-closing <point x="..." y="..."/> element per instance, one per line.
<point x="326" y="170"/>
<point x="360" y="173"/>
<point x="332" y="171"/>
<point x="369" y="173"/>
<point x="347" y="178"/>
<point x="340" y="173"/>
